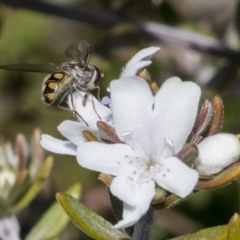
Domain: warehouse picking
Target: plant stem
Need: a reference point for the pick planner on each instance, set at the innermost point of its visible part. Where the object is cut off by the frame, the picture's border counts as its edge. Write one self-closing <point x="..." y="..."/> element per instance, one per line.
<point x="154" y="30"/>
<point x="143" y="227"/>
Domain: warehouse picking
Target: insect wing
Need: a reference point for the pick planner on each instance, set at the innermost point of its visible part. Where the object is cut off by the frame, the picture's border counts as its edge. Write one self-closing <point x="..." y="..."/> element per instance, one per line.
<point x="79" y="51"/>
<point x="44" y="68"/>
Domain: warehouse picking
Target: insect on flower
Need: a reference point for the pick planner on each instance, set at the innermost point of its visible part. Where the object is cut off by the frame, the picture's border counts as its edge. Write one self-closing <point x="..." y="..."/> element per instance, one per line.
<point x="62" y="80"/>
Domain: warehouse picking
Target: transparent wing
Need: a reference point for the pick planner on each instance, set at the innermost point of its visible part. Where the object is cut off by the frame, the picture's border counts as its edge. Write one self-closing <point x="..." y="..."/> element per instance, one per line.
<point x="44" y="68"/>
<point x="79" y="51"/>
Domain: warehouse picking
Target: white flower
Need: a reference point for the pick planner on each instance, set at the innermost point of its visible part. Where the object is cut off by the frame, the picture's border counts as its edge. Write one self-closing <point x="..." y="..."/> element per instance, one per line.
<point x="152" y="129"/>
<point x="9" y="228"/>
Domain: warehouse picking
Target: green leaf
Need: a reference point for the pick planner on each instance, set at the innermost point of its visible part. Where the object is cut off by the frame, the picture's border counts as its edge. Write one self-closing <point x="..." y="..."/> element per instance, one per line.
<point x="20" y="185"/>
<point x="36" y="186"/>
<point x="54" y="220"/>
<point x="214" y="233"/>
<point x="234" y="228"/>
<point x="87" y="220"/>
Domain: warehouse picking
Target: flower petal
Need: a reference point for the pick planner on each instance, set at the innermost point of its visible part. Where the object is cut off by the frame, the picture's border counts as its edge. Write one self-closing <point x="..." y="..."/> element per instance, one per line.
<point x="144" y="192"/>
<point x="92" y="112"/>
<point x="72" y="131"/>
<point x="132" y="106"/>
<point x="111" y="159"/>
<point x="106" y="100"/>
<point x="58" y="146"/>
<point x="175" y="111"/>
<point x="144" y="54"/>
<point x="176" y="177"/>
<point x="217" y="152"/>
<point x="131" y="216"/>
<point x="134" y="69"/>
<point x="121" y="187"/>
<point x="9" y="228"/>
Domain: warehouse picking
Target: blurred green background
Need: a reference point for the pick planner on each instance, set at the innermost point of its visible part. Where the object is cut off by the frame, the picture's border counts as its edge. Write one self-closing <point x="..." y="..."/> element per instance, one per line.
<point x="29" y="36"/>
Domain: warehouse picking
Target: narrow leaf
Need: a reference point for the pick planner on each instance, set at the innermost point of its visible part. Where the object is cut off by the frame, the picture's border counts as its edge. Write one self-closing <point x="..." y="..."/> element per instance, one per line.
<point x="234" y="228"/>
<point x="87" y="220"/>
<point x="35" y="187"/>
<point x="214" y="233"/>
<point x="222" y="179"/>
<point x="188" y="153"/>
<point x="54" y="220"/>
<point x="37" y="152"/>
<point x="217" y="119"/>
<point x="19" y="185"/>
<point x="203" y="119"/>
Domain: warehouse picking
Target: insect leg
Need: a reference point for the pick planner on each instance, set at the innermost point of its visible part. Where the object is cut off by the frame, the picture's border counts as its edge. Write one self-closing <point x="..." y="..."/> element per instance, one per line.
<point x="76" y="113"/>
<point x="94" y="106"/>
<point x="84" y="101"/>
<point x="98" y="92"/>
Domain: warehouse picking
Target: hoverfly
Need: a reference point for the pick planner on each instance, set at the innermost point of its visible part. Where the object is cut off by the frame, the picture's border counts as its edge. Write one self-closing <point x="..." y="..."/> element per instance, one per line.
<point x="64" y="79"/>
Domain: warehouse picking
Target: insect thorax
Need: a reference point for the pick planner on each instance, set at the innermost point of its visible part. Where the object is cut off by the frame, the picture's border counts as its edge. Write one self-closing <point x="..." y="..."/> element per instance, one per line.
<point x="58" y="85"/>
